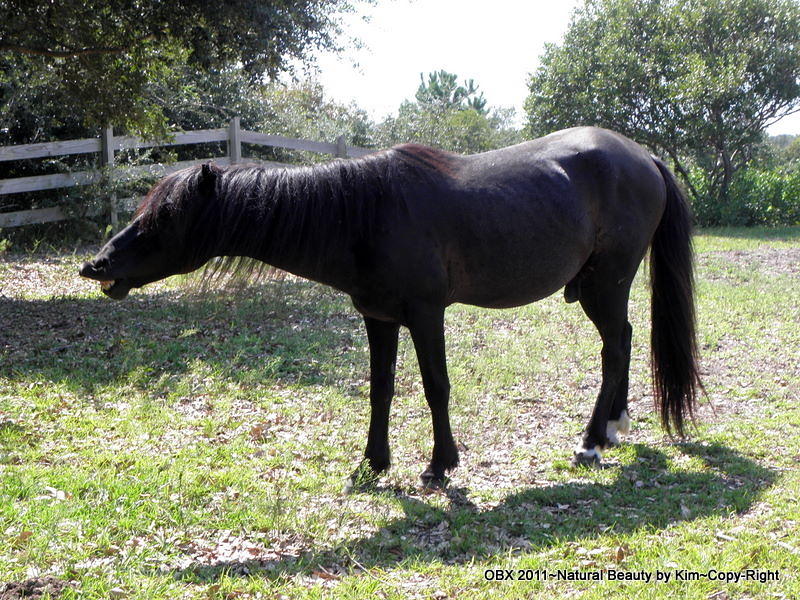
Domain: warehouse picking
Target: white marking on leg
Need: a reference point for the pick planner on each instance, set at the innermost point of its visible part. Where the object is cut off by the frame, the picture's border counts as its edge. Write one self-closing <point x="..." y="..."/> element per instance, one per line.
<point x="623" y="426"/>
<point x="611" y="432"/>
<point x="624" y="423"/>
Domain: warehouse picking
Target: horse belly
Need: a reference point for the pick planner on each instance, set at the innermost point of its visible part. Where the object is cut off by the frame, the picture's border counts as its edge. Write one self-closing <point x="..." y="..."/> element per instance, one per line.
<point x="516" y="274"/>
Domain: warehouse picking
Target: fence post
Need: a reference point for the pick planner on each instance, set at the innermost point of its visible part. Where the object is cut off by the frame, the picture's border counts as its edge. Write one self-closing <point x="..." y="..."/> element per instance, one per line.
<point x="107" y="161"/>
<point x="341" y="147"/>
<point x="234" y="141"/>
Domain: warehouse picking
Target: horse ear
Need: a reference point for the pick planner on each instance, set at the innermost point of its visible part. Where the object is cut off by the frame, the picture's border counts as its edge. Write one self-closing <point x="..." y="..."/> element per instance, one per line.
<point x="208" y="177"/>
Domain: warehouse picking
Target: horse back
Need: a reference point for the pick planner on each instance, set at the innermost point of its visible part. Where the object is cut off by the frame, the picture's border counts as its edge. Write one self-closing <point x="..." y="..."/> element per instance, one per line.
<point x="511" y="226"/>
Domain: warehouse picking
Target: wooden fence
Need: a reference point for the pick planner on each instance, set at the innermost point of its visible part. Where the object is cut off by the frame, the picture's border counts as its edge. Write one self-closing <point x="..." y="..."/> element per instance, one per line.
<point x="107" y="144"/>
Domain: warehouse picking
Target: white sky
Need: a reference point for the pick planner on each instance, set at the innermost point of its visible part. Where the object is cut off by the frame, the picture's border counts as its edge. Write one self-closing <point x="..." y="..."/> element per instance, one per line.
<point x="495" y="42"/>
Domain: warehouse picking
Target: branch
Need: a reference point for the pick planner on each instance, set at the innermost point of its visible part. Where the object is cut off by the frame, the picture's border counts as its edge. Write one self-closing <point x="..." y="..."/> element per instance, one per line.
<point x="683" y="173"/>
<point x="776" y="118"/>
<point x="73" y="52"/>
<point x="61" y="53"/>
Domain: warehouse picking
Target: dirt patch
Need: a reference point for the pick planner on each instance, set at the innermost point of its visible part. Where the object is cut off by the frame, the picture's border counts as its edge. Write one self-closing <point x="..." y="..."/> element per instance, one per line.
<point x="769" y="261"/>
<point x="37" y="587"/>
<point x="235" y="554"/>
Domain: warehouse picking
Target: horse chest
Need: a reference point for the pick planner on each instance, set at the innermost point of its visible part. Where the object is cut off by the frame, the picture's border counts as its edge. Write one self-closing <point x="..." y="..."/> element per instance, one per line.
<point x="380" y="307"/>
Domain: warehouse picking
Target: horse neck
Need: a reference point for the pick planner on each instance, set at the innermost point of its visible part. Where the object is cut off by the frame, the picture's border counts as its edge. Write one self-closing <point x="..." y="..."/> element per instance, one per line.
<point x="302" y="220"/>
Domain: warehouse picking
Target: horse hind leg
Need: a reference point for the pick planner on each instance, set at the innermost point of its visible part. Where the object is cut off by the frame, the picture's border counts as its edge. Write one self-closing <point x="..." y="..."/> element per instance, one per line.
<point x="604" y="299"/>
<point x="619" y="421"/>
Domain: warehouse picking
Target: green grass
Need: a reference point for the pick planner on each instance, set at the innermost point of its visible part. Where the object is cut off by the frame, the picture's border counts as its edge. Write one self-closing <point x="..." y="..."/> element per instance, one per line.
<point x="194" y="445"/>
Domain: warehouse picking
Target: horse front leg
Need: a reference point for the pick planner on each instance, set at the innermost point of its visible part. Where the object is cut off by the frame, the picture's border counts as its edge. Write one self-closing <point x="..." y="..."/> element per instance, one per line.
<point x="426" y="326"/>
<point x="382" y="338"/>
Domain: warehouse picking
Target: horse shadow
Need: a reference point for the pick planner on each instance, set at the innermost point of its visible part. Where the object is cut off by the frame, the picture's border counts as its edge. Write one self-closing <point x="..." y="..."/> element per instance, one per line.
<point x="648" y="494"/>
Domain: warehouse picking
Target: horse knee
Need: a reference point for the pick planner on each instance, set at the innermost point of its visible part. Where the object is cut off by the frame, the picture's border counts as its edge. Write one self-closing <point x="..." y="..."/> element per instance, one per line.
<point x="381" y="392"/>
<point x="437" y="391"/>
<point x="613" y="357"/>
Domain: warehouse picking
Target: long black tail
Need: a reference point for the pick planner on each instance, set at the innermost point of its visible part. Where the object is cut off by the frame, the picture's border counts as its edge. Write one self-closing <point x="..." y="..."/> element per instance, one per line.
<point x="674" y="358"/>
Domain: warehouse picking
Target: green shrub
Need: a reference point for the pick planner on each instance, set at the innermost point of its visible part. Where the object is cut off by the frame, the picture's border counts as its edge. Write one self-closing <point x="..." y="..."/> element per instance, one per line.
<point x="756" y="197"/>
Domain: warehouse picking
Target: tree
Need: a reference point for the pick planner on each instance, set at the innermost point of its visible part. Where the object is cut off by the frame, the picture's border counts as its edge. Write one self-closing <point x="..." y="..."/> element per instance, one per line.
<point x="449" y="116"/>
<point x="442" y="92"/>
<point x="788" y="150"/>
<point x="459" y="130"/>
<point x="197" y="100"/>
<point x="300" y="109"/>
<point x="696" y="80"/>
<point x="104" y="56"/>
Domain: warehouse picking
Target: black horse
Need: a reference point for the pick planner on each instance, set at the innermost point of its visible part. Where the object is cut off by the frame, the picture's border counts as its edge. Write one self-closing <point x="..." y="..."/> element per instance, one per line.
<point x="408" y="231"/>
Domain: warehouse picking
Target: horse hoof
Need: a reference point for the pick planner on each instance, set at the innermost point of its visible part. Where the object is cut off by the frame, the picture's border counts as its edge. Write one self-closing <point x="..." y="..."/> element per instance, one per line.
<point x="362" y="479"/>
<point x="586" y="458"/>
<point x="431" y="481"/>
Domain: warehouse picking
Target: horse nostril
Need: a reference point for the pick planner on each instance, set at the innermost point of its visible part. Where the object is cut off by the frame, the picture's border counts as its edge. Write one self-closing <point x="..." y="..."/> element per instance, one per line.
<point x="86" y="269"/>
<point x="95" y="267"/>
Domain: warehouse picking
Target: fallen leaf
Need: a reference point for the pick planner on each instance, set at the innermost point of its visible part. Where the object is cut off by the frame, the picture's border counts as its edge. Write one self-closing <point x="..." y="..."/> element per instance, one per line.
<point x="23" y="537"/>
<point x="56" y="493"/>
<point x="621" y="553"/>
<point x="324" y="575"/>
<point x="258" y="433"/>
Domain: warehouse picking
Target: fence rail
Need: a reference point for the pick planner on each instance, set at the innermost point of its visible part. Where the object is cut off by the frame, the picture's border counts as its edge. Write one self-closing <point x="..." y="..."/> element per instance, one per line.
<point x="108" y="144"/>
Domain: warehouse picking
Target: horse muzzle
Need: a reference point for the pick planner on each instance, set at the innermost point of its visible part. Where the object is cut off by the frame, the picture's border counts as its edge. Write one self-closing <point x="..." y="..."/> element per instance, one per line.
<point x="116" y="289"/>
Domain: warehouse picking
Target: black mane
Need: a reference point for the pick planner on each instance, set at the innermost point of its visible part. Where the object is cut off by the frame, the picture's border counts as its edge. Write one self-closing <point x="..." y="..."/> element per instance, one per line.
<point x="322" y="205"/>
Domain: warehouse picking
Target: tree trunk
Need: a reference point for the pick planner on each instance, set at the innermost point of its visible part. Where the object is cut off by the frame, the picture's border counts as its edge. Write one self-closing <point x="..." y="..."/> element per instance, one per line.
<point x="727" y="176"/>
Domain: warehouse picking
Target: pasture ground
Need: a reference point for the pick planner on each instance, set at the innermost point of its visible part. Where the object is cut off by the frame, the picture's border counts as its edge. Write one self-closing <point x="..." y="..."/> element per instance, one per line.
<point x="183" y="444"/>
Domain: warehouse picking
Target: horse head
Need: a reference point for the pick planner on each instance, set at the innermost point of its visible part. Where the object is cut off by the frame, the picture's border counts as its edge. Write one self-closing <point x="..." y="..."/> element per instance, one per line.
<point x="154" y="245"/>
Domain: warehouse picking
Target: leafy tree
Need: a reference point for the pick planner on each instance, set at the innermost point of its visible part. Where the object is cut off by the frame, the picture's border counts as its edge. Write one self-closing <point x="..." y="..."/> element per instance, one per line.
<point x="462" y="130"/>
<point x="196" y="100"/>
<point x="697" y="80"/>
<point x="789" y="152"/>
<point x="781" y="141"/>
<point x="449" y="116"/>
<point x="32" y="109"/>
<point x="442" y="92"/>
<point x="102" y="57"/>
<point x="212" y="98"/>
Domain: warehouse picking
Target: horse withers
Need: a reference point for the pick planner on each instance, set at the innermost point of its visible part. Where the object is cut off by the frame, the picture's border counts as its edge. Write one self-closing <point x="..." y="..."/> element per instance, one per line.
<point x="408" y="231"/>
